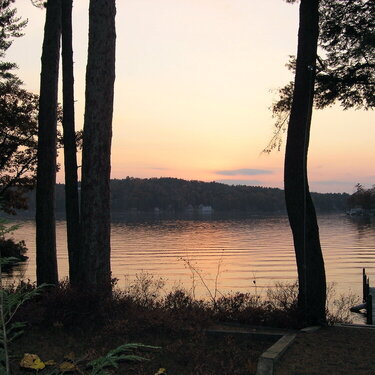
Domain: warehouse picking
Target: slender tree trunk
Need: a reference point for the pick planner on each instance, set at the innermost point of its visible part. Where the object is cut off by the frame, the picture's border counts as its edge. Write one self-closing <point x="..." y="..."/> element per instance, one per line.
<point x="300" y="207"/>
<point x="95" y="193"/>
<point x="70" y="151"/>
<point x="46" y="174"/>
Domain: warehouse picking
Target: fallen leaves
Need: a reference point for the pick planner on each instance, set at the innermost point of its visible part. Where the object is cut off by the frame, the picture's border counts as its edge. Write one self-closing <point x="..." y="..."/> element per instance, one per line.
<point x="67" y="367"/>
<point x="161" y="371"/>
<point x="32" y="362"/>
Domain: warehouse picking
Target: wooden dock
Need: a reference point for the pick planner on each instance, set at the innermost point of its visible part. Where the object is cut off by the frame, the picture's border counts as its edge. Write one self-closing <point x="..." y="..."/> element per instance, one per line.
<point x="368" y="298"/>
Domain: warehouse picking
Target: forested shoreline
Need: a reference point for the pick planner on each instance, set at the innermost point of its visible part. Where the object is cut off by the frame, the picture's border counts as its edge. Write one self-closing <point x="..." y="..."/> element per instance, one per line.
<point x="178" y="195"/>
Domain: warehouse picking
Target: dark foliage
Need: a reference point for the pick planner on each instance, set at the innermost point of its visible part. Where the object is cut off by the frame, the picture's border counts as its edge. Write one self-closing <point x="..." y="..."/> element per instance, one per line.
<point x="10" y="248"/>
<point x="10" y="27"/>
<point x="18" y="140"/>
<point x="363" y="198"/>
<point x="177" y="310"/>
<point x="14" y="251"/>
<point x="345" y="67"/>
<point x="17" y="119"/>
<point x="131" y="312"/>
<point x="347" y="37"/>
<point x="247" y="308"/>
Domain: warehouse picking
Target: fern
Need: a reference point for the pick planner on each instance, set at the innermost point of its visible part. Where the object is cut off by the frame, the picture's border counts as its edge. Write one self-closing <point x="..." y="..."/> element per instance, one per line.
<point x="10" y="302"/>
<point x="115" y="356"/>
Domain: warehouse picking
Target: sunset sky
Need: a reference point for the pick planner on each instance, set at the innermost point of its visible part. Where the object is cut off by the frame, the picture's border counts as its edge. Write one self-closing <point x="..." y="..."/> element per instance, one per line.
<point x="194" y="83"/>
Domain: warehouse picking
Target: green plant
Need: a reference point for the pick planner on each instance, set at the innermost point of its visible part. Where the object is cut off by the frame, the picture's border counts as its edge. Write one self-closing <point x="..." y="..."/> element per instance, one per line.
<point x="113" y="357"/>
<point x="10" y="301"/>
<point x="97" y="366"/>
<point x="4" y="229"/>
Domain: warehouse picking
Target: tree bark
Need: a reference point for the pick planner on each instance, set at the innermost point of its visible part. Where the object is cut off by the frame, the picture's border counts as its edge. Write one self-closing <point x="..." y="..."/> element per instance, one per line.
<point x="300" y="207"/>
<point x="95" y="191"/>
<point x="70" y="151"/>
<point x="46" y="173"/>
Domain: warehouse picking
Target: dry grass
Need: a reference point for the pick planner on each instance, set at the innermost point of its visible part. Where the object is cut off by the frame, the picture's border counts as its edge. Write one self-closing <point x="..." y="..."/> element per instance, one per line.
<point x="66" y="320"/>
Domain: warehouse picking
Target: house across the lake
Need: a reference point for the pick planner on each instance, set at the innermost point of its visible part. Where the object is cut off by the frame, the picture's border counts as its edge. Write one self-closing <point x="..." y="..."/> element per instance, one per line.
<point x="205" y="209"/>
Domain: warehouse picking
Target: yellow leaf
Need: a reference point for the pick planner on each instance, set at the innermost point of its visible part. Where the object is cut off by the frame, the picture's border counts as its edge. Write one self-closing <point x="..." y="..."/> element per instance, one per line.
<point x="161" y="371"/>
<point x="38" y="365"/>
<point x="32" y="361"/>
<point x="67" y="367"/>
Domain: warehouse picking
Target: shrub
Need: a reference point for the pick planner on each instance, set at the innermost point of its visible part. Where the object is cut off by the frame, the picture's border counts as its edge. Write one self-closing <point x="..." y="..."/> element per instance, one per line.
<point x="11" y="249"/>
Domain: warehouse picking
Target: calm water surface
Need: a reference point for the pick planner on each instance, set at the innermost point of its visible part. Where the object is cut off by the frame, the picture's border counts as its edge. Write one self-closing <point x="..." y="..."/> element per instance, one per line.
<point x="251" y="252"/>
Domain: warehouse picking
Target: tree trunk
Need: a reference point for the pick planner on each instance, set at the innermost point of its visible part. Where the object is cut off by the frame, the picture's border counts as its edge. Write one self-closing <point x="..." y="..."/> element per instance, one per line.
<point x="300" y="207"/>
<point x="70" y="152"/>
<point x="46" y="174"/>
<point x="95" y="193"/>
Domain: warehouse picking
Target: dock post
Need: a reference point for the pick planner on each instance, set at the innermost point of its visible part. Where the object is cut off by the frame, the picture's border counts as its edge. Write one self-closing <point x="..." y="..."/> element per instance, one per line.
<point x="369" y="309"/>
<point x="364" y="284"/>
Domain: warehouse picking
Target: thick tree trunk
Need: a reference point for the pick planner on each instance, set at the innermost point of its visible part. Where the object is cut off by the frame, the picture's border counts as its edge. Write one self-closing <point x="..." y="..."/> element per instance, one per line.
<point x="95" y="193"/>
<point x="70" y="152"/>
<point x="46" y="174"/>
<point x="301" y="211"/>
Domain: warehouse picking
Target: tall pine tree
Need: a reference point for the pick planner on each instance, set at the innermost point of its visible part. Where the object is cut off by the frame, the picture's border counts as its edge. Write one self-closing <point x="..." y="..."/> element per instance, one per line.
<point x="97" y="136"/>
<point x="70" y="150"/>
<point x="47" y="134"/>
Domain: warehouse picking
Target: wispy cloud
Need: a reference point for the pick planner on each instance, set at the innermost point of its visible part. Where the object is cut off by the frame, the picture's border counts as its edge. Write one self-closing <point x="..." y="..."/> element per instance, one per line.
<point x="244" y="172"/>
<point x="240" y="182"/>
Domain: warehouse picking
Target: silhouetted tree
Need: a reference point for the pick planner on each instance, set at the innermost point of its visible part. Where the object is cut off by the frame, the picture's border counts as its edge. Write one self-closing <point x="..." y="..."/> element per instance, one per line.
<point x="300" y="207"/>
<point x="18" y="120"/>
<point x="18" y="144"/>
<point x="346" y="69"/>
<point x="70" y="151"/>
<point x="97" y="134"/>
<point x="363" y="198"/>
<point x="47" y="137"/>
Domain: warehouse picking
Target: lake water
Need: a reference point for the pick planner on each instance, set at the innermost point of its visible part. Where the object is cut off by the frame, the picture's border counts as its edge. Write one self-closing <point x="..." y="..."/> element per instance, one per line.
<point x="249" y="252"/>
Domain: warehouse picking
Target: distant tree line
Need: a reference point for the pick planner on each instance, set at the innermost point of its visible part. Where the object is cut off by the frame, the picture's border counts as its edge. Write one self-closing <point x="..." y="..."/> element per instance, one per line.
<point x="177" y="195"/>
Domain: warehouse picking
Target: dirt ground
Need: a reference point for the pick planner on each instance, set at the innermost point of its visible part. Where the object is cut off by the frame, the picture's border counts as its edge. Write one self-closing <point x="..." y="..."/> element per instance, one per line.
<point x="328" y="351"/>
<point x="333" y="351"/>
<point x="179" y="354"/>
